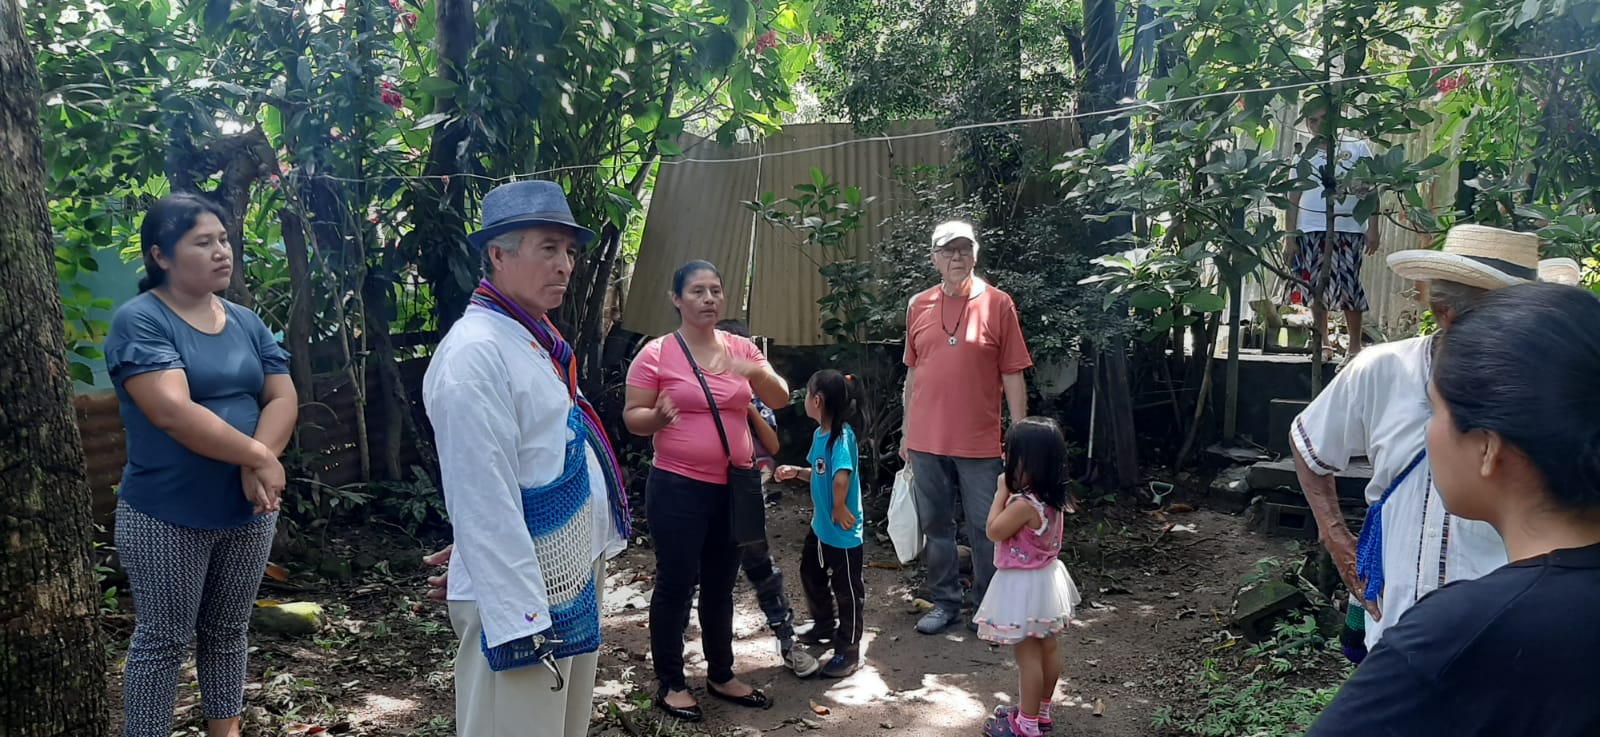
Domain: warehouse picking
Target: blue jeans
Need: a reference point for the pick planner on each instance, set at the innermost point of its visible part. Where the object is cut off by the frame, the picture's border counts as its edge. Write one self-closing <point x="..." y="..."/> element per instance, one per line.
<point x="939" y="482"/>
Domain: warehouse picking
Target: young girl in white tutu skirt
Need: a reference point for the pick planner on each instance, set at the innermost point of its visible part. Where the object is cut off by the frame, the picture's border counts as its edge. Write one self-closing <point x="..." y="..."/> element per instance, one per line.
<point x="1030" y="600"/>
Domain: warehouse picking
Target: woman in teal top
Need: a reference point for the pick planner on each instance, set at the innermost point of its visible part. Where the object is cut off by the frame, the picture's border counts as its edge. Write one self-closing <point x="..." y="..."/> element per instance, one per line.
<point x="833" y="562"/>
<point x="208" y="406"/>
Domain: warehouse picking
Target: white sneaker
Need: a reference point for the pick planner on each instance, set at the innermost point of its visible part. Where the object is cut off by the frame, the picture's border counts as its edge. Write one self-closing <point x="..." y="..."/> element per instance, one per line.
<point x="801" y="662"/>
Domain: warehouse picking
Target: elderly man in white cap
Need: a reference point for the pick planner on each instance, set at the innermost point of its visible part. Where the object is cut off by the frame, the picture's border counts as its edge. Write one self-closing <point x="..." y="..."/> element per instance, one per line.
<point x="534" y="491"/>
<point x="964" y="349"/>
<point x="1378" y="407"/>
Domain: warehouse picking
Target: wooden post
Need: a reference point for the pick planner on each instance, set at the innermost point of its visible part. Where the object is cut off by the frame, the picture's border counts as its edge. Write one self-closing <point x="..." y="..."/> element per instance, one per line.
<point x="1235" y="276"/>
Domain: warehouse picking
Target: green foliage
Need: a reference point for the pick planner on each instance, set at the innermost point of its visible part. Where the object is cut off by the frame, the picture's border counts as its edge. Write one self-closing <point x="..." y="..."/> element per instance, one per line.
<point x="1276" y="689"/>
<point x="1039" y="260"/>
<point x="910" y="59"/>
<point x="855" y="313"/>
<point x="824" y="214"/>
<point x="415" y="504"/>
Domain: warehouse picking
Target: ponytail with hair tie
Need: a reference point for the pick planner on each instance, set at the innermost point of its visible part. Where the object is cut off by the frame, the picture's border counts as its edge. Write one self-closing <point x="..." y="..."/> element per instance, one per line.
<point x="836" y="389"/>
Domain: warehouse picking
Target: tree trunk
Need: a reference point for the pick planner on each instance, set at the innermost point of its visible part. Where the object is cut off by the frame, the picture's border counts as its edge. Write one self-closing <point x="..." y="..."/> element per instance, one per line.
<point x="52" y="660"/>
<point x="300" y="299"/>
<point x="241" y="159"/>
<point x="1102" y="58"/>
<point x="444" y="258"/>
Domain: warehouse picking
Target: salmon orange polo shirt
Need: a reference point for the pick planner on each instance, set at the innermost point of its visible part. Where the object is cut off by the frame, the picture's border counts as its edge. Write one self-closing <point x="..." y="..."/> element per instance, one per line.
<point x="960" y="347"/>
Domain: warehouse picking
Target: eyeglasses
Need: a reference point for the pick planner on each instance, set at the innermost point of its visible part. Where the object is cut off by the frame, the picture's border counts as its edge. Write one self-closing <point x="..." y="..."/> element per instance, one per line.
<point x="952" y="253"/>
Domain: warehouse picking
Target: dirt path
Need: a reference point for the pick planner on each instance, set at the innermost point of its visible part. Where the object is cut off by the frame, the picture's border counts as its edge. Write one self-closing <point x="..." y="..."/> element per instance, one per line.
<point x="1152" y="598"/>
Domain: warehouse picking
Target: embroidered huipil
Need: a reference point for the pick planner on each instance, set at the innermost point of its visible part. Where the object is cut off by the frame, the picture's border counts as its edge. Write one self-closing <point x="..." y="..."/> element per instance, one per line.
<point x="1377" y="406"/>
<point x="1031" y="549"/>
<point x="500" y="418"/>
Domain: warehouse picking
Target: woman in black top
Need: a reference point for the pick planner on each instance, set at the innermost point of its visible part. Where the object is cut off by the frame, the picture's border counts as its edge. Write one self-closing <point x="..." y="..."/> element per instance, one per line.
<point x="1514" y="441"/>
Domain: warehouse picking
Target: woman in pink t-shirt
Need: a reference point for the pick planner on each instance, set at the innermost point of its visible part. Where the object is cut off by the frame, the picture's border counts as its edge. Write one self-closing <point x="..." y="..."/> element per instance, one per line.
<point x="686" y="499"/>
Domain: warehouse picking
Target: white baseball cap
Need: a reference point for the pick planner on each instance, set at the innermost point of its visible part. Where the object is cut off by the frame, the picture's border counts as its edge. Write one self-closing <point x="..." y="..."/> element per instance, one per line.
<point x="951" y="230"/>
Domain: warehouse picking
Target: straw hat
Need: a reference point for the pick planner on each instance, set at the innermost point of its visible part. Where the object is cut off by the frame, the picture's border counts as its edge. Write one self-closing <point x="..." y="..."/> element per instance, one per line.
<point x="1474" y="255"/>
<point x="1560" y="271"/>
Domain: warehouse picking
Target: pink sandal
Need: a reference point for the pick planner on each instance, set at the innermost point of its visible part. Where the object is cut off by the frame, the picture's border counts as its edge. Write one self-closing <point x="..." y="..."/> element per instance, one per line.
<point x="1010" y="712"/>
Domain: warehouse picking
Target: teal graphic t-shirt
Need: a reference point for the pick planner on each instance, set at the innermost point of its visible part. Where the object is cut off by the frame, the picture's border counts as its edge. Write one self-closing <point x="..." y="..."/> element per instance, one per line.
<point x="823" y="469"/>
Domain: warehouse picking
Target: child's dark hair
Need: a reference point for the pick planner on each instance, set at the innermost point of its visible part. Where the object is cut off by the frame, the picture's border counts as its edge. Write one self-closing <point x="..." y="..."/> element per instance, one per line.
<point x="838" y="400"/>
<point x="1036" y="460"/>
<point x="1521" y="362"/>
<point x="734" y="327"/>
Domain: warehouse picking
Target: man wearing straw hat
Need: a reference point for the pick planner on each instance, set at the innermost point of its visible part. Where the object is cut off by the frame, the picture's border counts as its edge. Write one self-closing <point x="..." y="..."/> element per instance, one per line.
<point x="1378" y="407"/>
<point x="533" y="488"/>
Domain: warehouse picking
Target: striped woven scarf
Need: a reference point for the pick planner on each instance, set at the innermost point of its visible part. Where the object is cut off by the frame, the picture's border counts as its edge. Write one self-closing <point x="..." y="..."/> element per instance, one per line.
<point x="566" y="363"/>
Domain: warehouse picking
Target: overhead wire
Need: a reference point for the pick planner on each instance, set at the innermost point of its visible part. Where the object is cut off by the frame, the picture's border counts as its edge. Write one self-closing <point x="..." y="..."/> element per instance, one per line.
<point x="1127" y="107"/>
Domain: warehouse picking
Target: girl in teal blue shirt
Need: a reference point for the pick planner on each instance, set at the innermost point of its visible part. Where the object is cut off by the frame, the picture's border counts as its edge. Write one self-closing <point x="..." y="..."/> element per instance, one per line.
<point x="832" y="564"/>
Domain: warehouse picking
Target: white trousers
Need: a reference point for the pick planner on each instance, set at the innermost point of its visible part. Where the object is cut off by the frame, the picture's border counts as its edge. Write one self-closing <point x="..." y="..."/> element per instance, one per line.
<point x="518" y="703"/>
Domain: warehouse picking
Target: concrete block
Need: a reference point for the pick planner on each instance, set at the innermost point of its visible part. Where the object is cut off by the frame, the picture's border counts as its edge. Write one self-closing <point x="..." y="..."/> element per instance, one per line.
<point x="1352" y="482"/>
<point x="1289" y="520"/>
<point x="1256" y="604"/>
<point x="1230" y="491"/>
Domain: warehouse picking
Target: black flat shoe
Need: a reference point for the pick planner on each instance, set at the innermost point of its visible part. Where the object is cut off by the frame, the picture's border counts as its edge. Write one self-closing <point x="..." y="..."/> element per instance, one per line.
<point x="754" y="700"/>
<point x="680" y="713"/>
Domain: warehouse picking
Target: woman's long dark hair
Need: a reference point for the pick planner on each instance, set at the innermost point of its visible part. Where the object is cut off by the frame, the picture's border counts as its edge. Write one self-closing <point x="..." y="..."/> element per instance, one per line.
<point x="1036" y="460"/>
<point x="838" y="401"/>
<point x="1522" y="362"/>
<point x="164" y="224"/>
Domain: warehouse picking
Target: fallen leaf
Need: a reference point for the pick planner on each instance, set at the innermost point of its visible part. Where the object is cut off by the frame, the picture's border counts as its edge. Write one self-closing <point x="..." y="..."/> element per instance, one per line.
<point x="887" y="725"/>
<point x="277" y="573"/>
<point x="921" y="604"/>
<point x="1180" y="508"/>
<point x="820" y="710"/>
<point x="1099" y="708"/>
<point x="885" y="566"/>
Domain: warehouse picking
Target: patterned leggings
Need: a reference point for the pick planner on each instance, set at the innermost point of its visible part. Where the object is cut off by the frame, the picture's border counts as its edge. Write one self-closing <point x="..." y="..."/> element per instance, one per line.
<point x="188" y="582"/>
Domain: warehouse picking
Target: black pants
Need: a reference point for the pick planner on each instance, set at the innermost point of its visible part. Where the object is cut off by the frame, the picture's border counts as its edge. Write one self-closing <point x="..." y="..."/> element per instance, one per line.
<point x="693" y="539"/>
<point x="764" y="576"/>
<point x="835" y="591"/>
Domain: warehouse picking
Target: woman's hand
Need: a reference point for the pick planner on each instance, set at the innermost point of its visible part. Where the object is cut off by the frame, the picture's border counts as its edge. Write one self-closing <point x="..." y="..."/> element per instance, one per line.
<point x="843" y="517"/>
<point x="263" y="500"/>
<point x="264" y="482"/>
<point x="787" y="473"/>
<point x="666" y="410"/>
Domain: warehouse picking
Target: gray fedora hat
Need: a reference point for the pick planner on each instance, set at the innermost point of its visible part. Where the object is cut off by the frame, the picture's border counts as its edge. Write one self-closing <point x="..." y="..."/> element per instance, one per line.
<point x="519" y="205"/>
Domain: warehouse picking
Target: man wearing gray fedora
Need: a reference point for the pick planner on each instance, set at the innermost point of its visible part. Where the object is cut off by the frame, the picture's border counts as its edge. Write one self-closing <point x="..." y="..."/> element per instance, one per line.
<point x="532" y="485"/>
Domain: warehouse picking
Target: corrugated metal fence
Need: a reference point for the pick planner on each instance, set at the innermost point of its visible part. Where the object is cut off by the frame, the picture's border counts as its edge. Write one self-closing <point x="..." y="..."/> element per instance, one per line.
<point x="696" y="211"/>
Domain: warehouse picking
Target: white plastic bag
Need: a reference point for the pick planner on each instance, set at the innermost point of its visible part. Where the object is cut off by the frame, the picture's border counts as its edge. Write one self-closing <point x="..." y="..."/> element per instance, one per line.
<point x="905" y="529"/>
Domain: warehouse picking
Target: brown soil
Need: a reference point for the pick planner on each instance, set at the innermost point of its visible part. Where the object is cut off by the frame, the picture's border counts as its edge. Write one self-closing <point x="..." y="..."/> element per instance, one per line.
<point x="1155" y="588"/>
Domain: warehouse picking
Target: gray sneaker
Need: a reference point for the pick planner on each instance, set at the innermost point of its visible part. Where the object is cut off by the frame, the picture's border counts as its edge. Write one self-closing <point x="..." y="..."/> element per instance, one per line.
<point x="937" y="620"/>
<point x="801" y="662"/>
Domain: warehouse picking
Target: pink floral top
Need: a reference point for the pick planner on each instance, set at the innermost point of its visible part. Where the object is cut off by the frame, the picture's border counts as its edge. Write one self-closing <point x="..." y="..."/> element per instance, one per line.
<point x="1031" y="549"/>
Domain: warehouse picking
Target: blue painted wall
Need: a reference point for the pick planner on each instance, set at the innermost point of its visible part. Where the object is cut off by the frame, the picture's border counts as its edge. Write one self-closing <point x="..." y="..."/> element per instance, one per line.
<point x="116" y="281"/>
